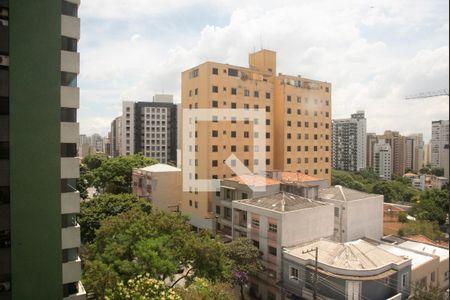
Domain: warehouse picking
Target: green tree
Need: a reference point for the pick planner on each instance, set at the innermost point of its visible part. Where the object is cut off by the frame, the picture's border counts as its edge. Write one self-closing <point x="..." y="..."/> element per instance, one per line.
<point x="439" y="196"/>
<point x="437" y="172"/>
<point x="114" y="176"/>
<point x="94" y="161"/>
<point x="158" y="243"/>
<point x="426" y="170"/>
<point x="85" y="181"/>
<point x="94" y="211"/>
<point x="428" y="229"/>
<point x="428" y="210"/>
<point x="245" y="259"/>
<point x="142" y="288"/>
<point x="203" y="289"/>
<point x="387" y="189"/>
<point x="99" y="277"/>
<point x="403" y="217"/>
<point x="428" y="293"/>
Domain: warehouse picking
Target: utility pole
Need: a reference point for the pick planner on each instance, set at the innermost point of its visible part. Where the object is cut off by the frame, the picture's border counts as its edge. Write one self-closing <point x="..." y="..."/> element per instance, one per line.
<point x="316" y="269"/>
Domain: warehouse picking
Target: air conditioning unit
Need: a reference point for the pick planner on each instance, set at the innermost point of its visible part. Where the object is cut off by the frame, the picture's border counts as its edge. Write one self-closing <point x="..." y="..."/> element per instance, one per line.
<point x="5" y="286"/>
<point x="4" y="60"/>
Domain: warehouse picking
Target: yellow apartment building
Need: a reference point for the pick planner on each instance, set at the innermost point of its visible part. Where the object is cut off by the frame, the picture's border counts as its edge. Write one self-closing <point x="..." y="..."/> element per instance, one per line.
<point x="297" y="125"/>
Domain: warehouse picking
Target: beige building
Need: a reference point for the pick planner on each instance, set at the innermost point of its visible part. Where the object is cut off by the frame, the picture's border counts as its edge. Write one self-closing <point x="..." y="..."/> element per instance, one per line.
<point x="398" y="156"/>
<point x="160" y="184"/>
<point x="298" y="124"/>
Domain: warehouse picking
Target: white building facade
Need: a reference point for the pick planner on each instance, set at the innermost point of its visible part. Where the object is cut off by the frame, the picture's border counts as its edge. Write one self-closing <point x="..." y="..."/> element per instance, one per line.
<point x="439" y="142"/>
<point x="350" y="143"/>
<point x="383" y="160"/>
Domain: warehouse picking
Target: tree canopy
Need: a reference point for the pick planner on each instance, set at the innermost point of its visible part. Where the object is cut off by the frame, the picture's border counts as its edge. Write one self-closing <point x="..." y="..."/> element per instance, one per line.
<point x="101" y="207"/>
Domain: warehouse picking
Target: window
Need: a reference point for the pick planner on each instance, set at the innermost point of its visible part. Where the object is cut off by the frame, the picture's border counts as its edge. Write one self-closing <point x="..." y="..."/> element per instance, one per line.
<point x="288" y="161"/>
<point x="193" y="74"/>
<point x="215" y="104"/>
<point x="246" y="93"/>
<point x="267" y="108"/>
<point x="273" y="228"/>
<point x="233" y="134"/>
<point x="233" y="105"/>
<point x="255" y="222"/>
<point x="256" y="244"/>
<point x="233" y="72"/>
<point x="272" y="251"/>
<point x="69" y="9"/>
<point x="433" y="277"/>
<point x="404" y="280"/>
<point x="67" y="150"/>
<point x="215" y="163"/>
<point x="293" y="273"/>
<point x="336" y="211"/>
<point x="215" y="71"/>
<point x="233" y="148"/>
<point x="256" y="94"/>
<point x="69" y="44"/>
<point x="68" y="79"/>
<point x="289" y="98"/>
<point x="215" y="148"/>
<point x="267" y="95"/>
<point x="233" y="91"/>
<point x="246" y="134"/>
<point x="289" y="111"/>
<point x="215" y="133"/>
<point x="268" y="122"/>
<point x="68" y="115"/>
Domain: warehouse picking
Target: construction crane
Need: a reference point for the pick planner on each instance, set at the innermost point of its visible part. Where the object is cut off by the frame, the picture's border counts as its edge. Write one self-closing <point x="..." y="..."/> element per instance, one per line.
<point x="428" y="95"/>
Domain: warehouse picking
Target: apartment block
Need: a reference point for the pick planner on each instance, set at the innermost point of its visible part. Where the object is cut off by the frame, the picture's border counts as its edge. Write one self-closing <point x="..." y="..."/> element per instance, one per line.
<point x="116" y="137"/>
<point x="350" y="143"/>
<point x="150" y="128"/>
<point x="382" y="159"/>
<point x="372" y="139"/>
<point x="160" y="184"/>
<point x="414" y="152"/>
<point x="397" y="143"/>
<point x="39" y="98"/>
<point x="439" y="142"/>
<point x="297" y="124"/>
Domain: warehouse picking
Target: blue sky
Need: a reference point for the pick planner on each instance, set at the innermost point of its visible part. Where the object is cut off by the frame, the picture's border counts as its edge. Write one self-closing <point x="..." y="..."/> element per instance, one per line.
<point x="373" y="52"/>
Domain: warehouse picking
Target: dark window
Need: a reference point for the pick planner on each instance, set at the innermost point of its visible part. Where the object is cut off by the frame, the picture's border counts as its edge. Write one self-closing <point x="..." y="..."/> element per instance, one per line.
<point x="4" y="83"/>
<point x="68" y="79"/>
<point x="233" y="72"/>
<point x="69" y="44"/>
<point x="233" y="91"/>
<point x="68" y="114"/>
<point x="68" y="185"/>
<point x="256" y="94"/>
<point x="215" y="163"/>
<point x="69" y="9"/>
<point x="289" y="98"/>
<point x="233" y="134"/>
<point x="215" y="133"/>
<point x="233" y="148"/>
<point x="215" y="104"/>
<point x="68" y="150"/>
<point x="272" y="251"/>
<point x="267" y="95"/>
<point x="215" y="71"/>
<point x="215" y="89"/>
<point x="267" y="108"/>
<point x="215" y="148"/>
<point x="4" y="150"/>
<point x="4" y="194"/>
<point x="4" y="39"/>
<point x="233" y="105"/>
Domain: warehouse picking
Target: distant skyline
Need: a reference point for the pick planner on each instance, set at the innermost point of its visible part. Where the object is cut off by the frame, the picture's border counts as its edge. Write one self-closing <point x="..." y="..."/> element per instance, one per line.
<point x="374" y="53"/>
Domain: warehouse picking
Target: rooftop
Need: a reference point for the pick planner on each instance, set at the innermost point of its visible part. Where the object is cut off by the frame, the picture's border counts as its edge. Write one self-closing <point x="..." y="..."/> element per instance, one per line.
<point x="160" y="168"/>
<point x="343" y="194"/>
<point x="423" y="239"/>
<point x="417" y="259"/>
<point x="253" y="180"/>
<point x="355" y="256"/>
<point x="291" y="176"/>
<point x="434" y="250"/>
<point x="282" y="202"/>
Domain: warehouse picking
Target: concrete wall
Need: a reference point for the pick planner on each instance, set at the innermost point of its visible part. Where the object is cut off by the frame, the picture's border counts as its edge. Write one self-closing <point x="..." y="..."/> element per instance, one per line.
<point x="299" y="226"/>
<point x="166" y="190"/>
<point x="365" y="218"/>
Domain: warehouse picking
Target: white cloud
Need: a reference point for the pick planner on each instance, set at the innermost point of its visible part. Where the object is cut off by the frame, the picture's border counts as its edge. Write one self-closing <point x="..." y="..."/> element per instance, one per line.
<point x="347" y="43"/>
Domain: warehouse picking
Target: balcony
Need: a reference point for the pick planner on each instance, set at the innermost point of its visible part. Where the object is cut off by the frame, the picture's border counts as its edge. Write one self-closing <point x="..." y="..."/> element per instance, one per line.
<point x="70" y="62"/>
<point x="70" y="97"/>
<point x="71" y="237"/>
<point x="70" y="168"/>
<point x="70" y="203"/>
<point x="71" y="271"/>
<point x="70" y="27"/>
<point x="80" y="295"/>
<point x="70" y="133"/>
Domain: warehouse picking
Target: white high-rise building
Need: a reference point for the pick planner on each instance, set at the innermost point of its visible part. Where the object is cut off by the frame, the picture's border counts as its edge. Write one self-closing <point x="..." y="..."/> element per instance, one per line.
<point x="150" y="128"/>
<point x="350" y="143"/>
<point x="383" y="159"/>
<point x="439" y="142"/>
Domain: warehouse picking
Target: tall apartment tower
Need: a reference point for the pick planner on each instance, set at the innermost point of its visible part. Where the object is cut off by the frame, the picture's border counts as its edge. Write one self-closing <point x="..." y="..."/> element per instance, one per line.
<point x="350" y="143"/>
<point x="439" y="141"/>
<point x="398" y="144"/>
<point x="116" y="136"/>
<point x="39" y="98"/>
<point x="414" y="152"/>
<point x="372" y="139"/>
<point x="298" y="124"/>
<point x="382" y="160"/>
<point x="150" y="128"/>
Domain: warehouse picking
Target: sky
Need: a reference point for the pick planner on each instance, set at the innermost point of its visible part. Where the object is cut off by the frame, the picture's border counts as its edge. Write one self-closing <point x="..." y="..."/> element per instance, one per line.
<point x="374" y="52"/>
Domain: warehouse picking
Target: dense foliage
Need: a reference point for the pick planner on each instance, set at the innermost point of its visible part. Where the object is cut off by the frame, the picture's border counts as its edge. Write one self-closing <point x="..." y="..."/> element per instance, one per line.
<point x="428" y="293"/>
<point x="202" y="289"/>
<point x="110" y="175"/>
<point x="428" y="229"/>
<point x="94" y="211"/>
